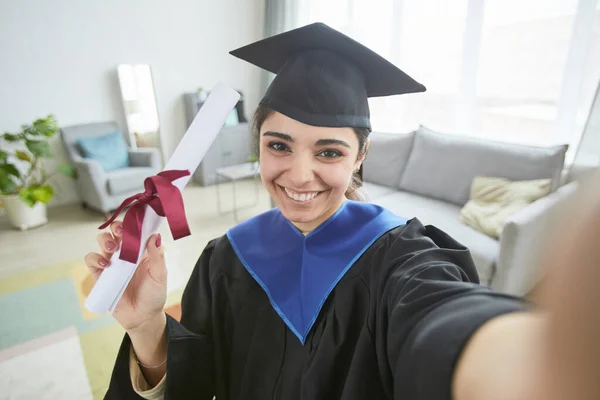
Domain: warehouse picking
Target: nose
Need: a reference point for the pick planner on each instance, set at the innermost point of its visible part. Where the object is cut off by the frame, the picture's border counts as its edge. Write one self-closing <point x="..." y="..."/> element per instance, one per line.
<point x="301" y="172"/>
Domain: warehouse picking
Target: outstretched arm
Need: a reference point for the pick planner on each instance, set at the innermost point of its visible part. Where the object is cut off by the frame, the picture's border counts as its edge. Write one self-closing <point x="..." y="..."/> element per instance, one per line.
<point x="503" y="360"/>
<point x="555" y="354"/>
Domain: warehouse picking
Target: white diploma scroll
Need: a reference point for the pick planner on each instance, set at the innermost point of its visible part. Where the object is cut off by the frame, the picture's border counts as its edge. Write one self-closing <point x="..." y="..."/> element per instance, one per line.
<point x="113" y="281"/>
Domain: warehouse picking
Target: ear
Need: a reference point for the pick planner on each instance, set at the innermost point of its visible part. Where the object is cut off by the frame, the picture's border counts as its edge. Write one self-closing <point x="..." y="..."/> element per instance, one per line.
<point x="356" y="167"/>
<point x="361" y="157"/>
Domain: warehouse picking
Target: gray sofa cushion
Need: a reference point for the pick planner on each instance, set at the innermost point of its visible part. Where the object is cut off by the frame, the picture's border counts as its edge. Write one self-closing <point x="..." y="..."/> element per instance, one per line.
<point x="443" y="166"/>
<point x="445" y="216"/>
<point x="392" y="151"/>
<point x="127" y="179"/>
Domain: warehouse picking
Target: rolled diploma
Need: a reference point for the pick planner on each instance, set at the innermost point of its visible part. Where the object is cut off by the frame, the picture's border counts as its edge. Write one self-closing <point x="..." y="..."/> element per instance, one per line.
<point x="205" y="127"/>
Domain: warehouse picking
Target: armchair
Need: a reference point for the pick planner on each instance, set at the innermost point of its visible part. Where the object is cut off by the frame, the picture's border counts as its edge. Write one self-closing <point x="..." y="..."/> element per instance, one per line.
<point x="105" y="190"/>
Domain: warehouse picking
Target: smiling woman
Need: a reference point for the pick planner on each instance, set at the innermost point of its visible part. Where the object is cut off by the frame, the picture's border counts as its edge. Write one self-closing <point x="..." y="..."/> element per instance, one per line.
<point x="322" y="297"/>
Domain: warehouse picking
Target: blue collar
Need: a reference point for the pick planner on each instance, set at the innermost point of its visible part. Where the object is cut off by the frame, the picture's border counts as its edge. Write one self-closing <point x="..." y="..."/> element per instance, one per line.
<point x="299" y="272"/>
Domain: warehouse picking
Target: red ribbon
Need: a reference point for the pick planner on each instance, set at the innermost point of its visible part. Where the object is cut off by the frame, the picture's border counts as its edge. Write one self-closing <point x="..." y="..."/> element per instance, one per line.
<point x="164" y="198"/>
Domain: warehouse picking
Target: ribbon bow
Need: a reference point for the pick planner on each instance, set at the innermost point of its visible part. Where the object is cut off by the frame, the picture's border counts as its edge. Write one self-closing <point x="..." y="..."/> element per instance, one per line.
<point x="164" y="198"/>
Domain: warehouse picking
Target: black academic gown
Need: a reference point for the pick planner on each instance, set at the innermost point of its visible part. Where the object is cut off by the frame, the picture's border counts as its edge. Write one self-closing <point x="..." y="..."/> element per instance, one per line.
<point x="392" y="328"/>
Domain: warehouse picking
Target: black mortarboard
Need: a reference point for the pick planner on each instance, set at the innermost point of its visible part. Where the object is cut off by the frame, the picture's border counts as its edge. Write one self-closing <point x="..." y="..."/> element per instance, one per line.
<point x="324" y="78"/>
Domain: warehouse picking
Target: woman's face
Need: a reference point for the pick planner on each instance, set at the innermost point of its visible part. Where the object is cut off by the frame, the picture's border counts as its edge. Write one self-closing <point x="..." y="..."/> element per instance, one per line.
<point x="306" y="169"/>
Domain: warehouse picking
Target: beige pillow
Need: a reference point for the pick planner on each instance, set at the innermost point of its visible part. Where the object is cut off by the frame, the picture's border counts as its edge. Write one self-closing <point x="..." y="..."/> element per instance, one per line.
<point x="494" y="200"/>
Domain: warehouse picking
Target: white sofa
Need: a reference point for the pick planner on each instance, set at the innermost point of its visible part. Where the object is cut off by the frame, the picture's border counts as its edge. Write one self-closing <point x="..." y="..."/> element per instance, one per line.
<point x="428" y="175"/>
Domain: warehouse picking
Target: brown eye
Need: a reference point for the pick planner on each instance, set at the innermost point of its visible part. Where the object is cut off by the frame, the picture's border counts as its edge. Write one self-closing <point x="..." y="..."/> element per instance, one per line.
<point x="278" y="146"/>
<point x="330" y="154"/>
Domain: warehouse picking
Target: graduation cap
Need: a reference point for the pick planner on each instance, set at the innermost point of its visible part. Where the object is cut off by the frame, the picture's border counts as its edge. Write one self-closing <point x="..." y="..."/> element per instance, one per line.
<point x="324" y="78"/>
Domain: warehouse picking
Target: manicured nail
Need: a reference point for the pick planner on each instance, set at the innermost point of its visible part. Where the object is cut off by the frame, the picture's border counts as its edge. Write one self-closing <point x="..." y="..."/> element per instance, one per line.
<point x="158" y="240"/>
<point x="119" y="229"/>
<point x="110" y="246"/>
<point x="103" y="262"/>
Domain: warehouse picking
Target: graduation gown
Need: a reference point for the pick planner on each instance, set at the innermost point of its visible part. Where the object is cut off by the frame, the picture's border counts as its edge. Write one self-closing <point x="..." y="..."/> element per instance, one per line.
<point x="391" y="325"/>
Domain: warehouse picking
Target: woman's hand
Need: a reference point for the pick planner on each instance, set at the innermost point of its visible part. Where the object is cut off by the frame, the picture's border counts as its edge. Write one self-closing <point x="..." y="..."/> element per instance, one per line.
<point x="146" y="295"/>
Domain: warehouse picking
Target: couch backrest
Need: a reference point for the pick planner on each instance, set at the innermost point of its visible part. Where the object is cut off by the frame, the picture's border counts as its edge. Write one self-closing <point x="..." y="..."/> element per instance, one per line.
<point x="387" y="157"/>
<point x="443" y="166"/>
<point x="70" y="134"/>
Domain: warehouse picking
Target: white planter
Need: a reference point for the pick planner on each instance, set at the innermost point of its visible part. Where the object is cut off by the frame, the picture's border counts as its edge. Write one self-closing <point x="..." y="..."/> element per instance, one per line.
<point x="20" y="215"/>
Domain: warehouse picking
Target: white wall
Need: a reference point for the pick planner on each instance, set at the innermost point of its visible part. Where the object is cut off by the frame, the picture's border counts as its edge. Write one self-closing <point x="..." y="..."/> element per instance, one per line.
<point x="60" y="56"/>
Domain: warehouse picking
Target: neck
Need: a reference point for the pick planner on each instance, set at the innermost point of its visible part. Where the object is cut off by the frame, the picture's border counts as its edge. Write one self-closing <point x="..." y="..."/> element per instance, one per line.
<point x="307" y="227"/>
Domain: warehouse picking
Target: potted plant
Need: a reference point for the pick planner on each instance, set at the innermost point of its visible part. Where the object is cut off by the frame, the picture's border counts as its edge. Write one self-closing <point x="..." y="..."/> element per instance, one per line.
<point x="24" y="187"/>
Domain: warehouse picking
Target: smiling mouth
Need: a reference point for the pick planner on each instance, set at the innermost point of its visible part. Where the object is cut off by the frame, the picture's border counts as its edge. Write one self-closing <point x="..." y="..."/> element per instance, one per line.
<point x="299" y="197"/>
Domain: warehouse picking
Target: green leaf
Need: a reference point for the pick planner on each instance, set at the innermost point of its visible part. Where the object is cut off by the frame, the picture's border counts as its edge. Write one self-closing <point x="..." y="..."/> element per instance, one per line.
<point x="46" y="127"/>
<point x="10" y="169"/>
<point x="67" y="170"/>
<point x="22" y="155"/>
<point x="9" y="137"/>
<point x="26" y="194"/>
<point x="41" y="194"/>
<point x="7" y="185"/>
<point x="3" y="156"/>
<point x="39" y="148"/>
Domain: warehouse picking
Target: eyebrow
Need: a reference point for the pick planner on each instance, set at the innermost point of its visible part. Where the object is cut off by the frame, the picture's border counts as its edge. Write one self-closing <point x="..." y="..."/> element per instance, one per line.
<point x="281" y="136"/>
<point x="320" y="142"/>
<point x="329" y="142"/>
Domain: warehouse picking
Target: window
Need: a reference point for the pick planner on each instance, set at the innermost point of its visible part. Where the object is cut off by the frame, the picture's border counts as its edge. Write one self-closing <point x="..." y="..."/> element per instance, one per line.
<point x="505" y="70"/>
<point x="334" y="13"/>
<point x="430" y="50"/>
<point x="590" y="82"/>
<point x="521" y="68"/>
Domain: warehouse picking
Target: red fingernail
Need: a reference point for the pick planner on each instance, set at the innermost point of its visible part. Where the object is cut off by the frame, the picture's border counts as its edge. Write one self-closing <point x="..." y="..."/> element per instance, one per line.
<point x="158" y="240"/>
<point x="110" y="246"/>
<point x="103" y="262"/>
<point x="119" y="229"/>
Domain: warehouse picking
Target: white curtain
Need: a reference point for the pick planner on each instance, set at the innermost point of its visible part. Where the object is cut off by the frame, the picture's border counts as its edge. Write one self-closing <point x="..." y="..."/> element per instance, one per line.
<point x="281" y="16"/>
<point x="588" y="153"/>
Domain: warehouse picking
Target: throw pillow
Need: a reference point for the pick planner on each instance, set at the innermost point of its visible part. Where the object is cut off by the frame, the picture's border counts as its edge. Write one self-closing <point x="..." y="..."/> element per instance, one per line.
<point x="494" y="200"/>
<point x="110" y="150"/>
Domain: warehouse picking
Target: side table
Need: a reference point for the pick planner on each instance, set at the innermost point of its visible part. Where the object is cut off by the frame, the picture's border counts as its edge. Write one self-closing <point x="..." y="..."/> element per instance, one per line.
<point x="233" y="174"/>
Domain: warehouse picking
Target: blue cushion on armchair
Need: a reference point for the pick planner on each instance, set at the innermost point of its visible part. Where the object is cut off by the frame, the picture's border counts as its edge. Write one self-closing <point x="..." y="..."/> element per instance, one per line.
<point x="110" y="150"/>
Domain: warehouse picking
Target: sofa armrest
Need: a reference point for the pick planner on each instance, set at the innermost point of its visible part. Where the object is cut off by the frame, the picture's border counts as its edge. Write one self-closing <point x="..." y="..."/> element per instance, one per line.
<point x="90" y="170"/>
<point x="91" y="183"/>
<point x="145" y="157"/>
<point x="518" y="264"/>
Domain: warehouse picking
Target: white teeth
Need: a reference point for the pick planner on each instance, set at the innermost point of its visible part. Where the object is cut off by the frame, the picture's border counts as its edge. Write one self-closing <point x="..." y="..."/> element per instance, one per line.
<point x="301" y="197"/>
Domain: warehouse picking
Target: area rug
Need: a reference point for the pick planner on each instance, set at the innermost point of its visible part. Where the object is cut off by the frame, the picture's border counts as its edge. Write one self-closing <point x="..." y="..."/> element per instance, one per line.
<point x="51" y="347"/>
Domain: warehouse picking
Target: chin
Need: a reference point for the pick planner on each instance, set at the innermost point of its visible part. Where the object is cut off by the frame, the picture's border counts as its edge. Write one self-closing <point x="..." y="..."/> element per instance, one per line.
<point x="300" y="217"/>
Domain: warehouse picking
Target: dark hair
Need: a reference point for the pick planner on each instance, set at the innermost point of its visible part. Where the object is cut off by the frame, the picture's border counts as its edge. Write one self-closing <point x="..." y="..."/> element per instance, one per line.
<point x="353" y="192"/>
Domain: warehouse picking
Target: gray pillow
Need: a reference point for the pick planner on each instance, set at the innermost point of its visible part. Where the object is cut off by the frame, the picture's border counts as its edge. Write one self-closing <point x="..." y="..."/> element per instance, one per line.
<point x="443" y="166"/>
<point x="387" y="157"/>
